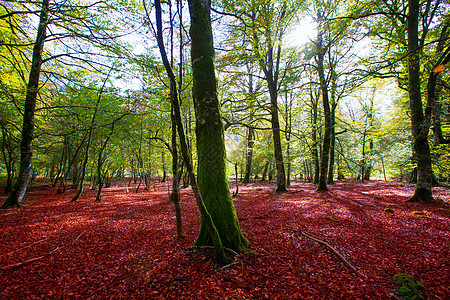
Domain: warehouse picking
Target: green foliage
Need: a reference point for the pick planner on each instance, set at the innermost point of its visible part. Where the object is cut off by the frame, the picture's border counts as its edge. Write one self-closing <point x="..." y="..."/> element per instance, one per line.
<point x="408" y="288"/>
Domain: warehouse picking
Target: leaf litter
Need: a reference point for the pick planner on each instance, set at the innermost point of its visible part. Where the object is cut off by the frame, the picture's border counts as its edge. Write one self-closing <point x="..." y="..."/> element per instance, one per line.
<point x="126" y="247"/>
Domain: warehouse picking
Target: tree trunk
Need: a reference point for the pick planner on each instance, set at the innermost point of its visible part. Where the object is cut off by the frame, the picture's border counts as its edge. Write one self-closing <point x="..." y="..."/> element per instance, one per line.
<point x="101" y="177"/>
<point x="88" y="142"/>
<point x="264" y="174"/>
<point x="175" y="195"/>
<point x="26" y="150"/>
<point x="330" y="178"/>
<point x="176" y="174"/>
<point x="7" y="152"/>
<point x="278" y="153"/>
<point x="212" y="179"/>
<point x="368" y="171"/>
<point x="314" y="152"/>
<point x="248" y="165"/>
<point x="324" y="157"/>
<point x="419" y="134"/>
<point x="219" y="223"/>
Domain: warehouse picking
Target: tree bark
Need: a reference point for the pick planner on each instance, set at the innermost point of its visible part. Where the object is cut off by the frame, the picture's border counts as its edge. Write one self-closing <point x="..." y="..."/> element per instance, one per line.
<point x="26" y="150"/>
<point x="248" y="165"/>
<point x="324" y="157"/>
<point x="212" y="179"/>
<point x="270" y="65"/>
<point x="220" y="227"/>
<point x="419" y="133"/>
<point x="314" y="152"/>
<point x="175" y="195"/>
<point x="330" y="178"/>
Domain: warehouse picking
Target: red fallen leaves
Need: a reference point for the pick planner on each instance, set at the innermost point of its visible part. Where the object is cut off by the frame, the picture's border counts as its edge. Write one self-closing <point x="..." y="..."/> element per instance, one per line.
<point x="126" y="247"/>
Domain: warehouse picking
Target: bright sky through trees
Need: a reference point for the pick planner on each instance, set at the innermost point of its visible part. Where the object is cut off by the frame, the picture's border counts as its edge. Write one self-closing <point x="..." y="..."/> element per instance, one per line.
<point x="302" y="33"/>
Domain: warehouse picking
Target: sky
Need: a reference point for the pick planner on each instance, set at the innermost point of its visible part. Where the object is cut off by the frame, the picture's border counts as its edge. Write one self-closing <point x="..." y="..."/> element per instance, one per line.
<point x="302" y="33"/>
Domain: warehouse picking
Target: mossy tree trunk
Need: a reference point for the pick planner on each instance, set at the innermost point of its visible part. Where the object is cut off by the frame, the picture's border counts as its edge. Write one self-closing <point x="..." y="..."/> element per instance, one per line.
<point x="419" y="131"/>
<point x="26" y="150"/>
<point x="212" y="179"/>
<point x="201" y="34"/>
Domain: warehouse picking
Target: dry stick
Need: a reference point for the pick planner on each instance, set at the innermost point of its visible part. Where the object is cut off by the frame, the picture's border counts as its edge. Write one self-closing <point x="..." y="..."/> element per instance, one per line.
<point x="333" y="250"/>
<point x="28" y="260"/>
<point x="24" y="247"/>
<point x="19" y="264"/>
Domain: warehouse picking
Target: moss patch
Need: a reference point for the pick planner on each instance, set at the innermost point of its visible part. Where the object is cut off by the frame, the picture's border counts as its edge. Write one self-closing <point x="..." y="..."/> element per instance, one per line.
<point x="408" y="288"/>
<point x="330" y="218"/>
<point x="388" y="210"/>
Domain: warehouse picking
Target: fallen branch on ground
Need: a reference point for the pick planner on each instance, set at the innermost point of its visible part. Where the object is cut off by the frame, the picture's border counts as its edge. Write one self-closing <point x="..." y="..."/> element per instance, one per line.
<point x="22" y="263"/>
<point x="332" y="249"/>
<point x="19" y="249"/>
<point x="19" y="264"/>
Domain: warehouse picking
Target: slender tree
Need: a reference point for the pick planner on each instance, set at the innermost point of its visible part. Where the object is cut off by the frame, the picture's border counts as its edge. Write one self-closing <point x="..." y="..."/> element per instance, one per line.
<point x="324" y="156"/>
<point x="26" y="151"/>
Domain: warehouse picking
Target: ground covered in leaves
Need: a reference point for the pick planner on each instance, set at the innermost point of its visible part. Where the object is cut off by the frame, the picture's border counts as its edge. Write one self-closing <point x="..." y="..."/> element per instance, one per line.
<point x="126" y="246"/>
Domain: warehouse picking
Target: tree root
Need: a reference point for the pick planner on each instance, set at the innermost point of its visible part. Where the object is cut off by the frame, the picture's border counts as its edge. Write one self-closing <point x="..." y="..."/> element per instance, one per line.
<point x="349" y="265"/>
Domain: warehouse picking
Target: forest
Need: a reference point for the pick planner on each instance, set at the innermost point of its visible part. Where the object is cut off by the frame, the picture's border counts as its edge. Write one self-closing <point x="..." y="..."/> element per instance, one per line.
<point x="246" y="149"/>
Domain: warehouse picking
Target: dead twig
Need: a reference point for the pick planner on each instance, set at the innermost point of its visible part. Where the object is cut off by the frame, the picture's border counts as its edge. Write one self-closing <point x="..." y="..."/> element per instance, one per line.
<point x="28" y="261"/>
<point x="22" y="263"/>
<point x="308" y="235"/>
<point x="16" y="250"/>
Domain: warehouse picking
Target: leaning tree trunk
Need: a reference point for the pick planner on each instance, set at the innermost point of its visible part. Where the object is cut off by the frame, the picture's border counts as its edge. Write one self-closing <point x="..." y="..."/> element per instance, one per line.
<point x="419" y="131"/>
<point x="88" y="142"/>
<point x="175" y="195"/>
<point x="26" y="150"/>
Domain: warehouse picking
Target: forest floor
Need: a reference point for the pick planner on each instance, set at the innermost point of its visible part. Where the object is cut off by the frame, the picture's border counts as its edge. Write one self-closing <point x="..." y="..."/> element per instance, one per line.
<point x="126" y="246"/>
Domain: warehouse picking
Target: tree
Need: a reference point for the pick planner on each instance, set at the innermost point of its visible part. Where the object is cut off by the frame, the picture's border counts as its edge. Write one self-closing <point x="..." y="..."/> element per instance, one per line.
<point x="212" y="179"/>
<point x="324" y="155"/>
<point x="20" y="187"/>
<point x="419" y="131"/>
<point x="219" y="224"/>
<point x="264" y="24"/>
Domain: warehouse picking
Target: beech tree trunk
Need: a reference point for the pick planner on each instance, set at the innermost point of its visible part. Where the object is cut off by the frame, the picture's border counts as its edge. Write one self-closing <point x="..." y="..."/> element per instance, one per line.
<point x="222" y="223"/>
<point x="324" y="157"/>
<point x="314" y="152"/>
<point x="248" y="165"/>
<point x="279" y="163"/>
<point x="419" y="131"/>
<point x="212" y="179"/>
<point x="26" y="150"/>
<point x="330" y="179"/>
<point x="175" y="195"/>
